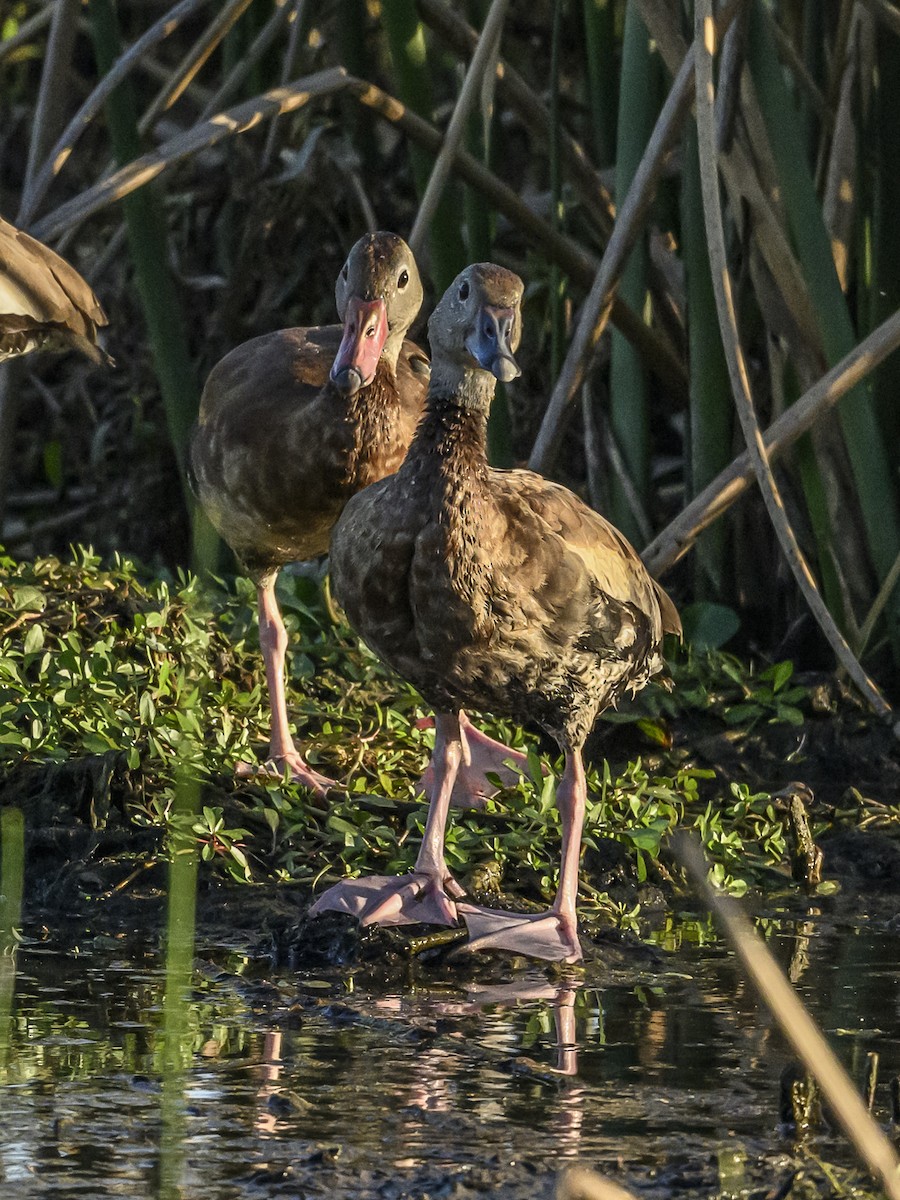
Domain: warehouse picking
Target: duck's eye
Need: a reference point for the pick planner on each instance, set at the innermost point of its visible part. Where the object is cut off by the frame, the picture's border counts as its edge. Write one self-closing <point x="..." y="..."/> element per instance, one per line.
<point x="403" y="280"/>
<point x="344" y="273"/>
<point x="464" y="290"/>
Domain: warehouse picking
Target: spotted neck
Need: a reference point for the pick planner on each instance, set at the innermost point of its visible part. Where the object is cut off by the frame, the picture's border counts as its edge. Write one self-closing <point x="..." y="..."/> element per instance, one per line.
<point x="371" y="416"/>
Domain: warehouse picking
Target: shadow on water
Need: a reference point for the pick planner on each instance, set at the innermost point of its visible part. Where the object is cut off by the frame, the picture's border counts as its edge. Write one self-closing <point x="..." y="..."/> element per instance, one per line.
<point x="135" y="1064"/>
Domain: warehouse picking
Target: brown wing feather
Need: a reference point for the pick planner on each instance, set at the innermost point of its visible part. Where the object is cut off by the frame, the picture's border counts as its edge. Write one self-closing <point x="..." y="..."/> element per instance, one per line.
<point x="43" y="297"/>
<point x="609" y="557"/>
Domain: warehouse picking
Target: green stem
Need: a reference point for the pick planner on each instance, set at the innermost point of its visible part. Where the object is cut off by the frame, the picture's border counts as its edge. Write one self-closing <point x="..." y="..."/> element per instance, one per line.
<point x="866" y="447"/>
<point x="600" y="50"/>
<point x="629" y="412"/>
<point x="148" y="242"/>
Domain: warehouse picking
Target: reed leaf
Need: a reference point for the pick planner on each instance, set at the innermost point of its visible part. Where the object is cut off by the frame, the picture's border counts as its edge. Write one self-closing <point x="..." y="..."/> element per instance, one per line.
<point x="479" y="233"/>
<point x="880" y="266"/>
<point x="866" y="449"/>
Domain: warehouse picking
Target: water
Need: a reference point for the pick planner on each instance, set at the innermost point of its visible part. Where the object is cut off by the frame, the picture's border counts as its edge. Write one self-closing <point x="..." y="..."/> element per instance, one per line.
<point x="663" y="1073"/>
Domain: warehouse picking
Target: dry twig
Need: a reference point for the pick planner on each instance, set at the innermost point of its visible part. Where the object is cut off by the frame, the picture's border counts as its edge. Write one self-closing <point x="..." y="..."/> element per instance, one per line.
<point x="673" y="542"/>
<point x="64" y="145"/>
<point x="597" y="307"/>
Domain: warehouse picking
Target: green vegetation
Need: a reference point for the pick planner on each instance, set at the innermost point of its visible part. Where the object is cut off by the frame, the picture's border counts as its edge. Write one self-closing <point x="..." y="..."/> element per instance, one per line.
<point x="115" y="687"/>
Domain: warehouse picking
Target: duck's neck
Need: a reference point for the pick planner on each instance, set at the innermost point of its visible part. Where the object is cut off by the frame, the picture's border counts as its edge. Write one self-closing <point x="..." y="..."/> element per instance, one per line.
<point x="372" y="417"/>
<point x="448" y="474"/>
<point x="450" y="446"/>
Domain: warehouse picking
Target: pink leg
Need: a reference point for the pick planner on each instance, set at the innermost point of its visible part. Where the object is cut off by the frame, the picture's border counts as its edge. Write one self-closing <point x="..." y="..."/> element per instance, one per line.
<point x="429" y="891"/>
<point x="282" y="751"/>
<point x="482" y="754"/>
<point x="554" y="934"/>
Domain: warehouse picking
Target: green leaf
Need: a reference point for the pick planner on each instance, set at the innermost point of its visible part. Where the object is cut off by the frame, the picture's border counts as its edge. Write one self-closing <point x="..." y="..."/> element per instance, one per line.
<point x="147" y="709"/>
<point x="28" y="599"/>
<point x="34" y="639"/>
<point x="709" y="626"/>
<point x="779" y="674"/>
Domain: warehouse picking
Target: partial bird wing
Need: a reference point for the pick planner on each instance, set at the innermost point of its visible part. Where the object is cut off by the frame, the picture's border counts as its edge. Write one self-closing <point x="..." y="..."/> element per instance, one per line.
<point x="606" y="553"/>
<point x="43" y="298"/>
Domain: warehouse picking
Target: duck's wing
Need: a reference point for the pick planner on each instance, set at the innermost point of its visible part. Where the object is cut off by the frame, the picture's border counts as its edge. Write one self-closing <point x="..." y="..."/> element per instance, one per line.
<point x="413" y="374"/>
<point x="42" y="298"/>
<point x="607" y="555"/>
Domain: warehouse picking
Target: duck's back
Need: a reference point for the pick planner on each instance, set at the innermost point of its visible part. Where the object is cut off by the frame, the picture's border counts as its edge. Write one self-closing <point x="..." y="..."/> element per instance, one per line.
<point x="278" y="449"/>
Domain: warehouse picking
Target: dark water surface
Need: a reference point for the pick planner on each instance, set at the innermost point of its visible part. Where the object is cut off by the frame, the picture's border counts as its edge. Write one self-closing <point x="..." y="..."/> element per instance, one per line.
<point x="664" y="1073"/>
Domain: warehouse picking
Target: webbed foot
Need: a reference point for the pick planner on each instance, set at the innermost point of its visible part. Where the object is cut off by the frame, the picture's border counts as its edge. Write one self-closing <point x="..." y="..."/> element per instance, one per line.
<point x="550" y="935"/>
<point x="417" y="898"/>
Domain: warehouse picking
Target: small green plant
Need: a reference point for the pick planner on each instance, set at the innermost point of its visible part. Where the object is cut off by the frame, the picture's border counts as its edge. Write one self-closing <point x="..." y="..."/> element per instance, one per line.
<point x="152" y="680"/>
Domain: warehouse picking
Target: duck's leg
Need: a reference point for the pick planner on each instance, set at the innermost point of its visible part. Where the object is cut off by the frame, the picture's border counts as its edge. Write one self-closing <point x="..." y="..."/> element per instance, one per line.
<point x="554" y="934"/>
<point x="429" y="892"/>
<point x="282" y="751"/>
<point x="481" y="754"/>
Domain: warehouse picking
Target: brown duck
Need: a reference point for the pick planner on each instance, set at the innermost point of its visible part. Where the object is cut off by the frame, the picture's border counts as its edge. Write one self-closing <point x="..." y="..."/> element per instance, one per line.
<point x="291" y="425"/>
<point x="44" y="303"/>
<point x="496" y="590"/>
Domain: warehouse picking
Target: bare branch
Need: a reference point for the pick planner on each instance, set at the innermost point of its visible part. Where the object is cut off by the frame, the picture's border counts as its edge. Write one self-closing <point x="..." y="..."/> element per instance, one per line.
<point x="718" y="496"/>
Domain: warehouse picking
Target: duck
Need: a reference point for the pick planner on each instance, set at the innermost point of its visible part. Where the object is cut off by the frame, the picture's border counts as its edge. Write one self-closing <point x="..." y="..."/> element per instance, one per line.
<point x="291" y="425"/>
<point x="44" y="303"/>
<point x="490" y="590"/>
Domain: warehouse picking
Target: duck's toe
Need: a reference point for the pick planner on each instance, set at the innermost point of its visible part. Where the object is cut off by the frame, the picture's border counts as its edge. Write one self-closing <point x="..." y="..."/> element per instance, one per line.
<point x="300" y="772"/>
<point x="549" y="935"/>
<point x="392" y="900"/>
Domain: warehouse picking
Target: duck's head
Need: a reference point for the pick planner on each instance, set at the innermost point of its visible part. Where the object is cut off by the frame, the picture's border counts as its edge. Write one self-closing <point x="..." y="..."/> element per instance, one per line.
<point x="478" y="323"/>
<point x="378" y="294"/>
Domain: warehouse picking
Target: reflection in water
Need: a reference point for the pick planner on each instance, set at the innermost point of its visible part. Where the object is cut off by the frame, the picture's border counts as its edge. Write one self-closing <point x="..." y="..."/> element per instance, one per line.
<point x="129" y="1074"/>
<point x="176" y="1040"/>
<point x="12" y="868"/>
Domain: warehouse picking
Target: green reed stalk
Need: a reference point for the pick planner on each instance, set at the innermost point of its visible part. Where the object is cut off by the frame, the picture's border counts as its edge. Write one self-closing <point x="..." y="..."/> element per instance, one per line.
<point x="629" y="412"/>
<point x="557" y="279"/>
<point x="145" y="222"/>
<point x="866" y="445"/>
<point x="602" y="76"/>
<point x="711" y="411"/>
